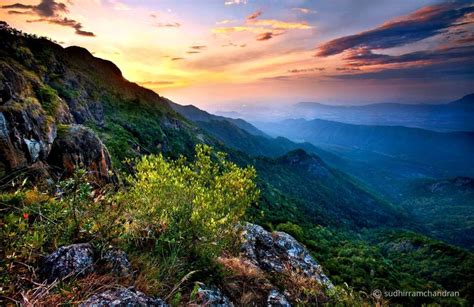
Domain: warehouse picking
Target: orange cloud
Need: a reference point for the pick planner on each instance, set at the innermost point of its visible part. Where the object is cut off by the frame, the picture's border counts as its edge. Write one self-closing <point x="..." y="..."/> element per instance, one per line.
<point x="277" y="24"/>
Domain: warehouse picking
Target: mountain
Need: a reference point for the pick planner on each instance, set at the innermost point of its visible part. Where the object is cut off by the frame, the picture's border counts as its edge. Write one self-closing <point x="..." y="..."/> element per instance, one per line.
<point x="444" y="154"/>
<point x="197" y="115"/>
<point x="63" y="109"/>
<point x="243" y="136"/>
<point x="454" y="116"/>
<point x="467" y="100"/>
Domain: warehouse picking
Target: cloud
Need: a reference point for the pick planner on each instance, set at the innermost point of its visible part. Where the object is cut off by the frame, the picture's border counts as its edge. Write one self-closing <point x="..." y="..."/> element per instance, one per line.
<point x="303" y="70"/>
<point x="277" y="24"/>
<point x="13" y="12"/>
<point x="254" y="15"/>
<point x="177" y="59"/>
<point x="347" y="69"/>
<point x="359" y="58"/>
<point x="303" y="10"/>
<point x="198" y="47"/>
<point x="193" y="52"/>
<point x="168" y="25"/>
<point x="423" y="23"/>
<point x="232" y="2"/>
<point x="18" y="6"/>
<point x="46" y="8"/>
<point x="50" y="8"/>
<point x="458" y="69"/>
<point x="267" y="35"/>
<point x="225" y="21"/>
<point x="49" y="11"/>
<point x="65" y="22"/>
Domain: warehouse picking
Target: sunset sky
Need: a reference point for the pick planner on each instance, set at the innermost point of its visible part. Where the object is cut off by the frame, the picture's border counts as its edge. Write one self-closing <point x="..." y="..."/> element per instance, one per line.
<point x="222" y="54"/>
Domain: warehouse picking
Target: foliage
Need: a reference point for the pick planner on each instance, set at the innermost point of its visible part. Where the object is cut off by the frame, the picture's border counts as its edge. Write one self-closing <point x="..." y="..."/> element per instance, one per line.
<point x="190" y="208"/>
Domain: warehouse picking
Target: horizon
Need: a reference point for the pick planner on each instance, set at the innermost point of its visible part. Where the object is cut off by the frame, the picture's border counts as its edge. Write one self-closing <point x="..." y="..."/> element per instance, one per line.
<point x="237" y="53"/>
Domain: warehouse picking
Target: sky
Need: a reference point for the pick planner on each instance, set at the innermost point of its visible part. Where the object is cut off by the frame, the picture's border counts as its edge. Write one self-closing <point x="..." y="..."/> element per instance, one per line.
<point x="235" y="54"/>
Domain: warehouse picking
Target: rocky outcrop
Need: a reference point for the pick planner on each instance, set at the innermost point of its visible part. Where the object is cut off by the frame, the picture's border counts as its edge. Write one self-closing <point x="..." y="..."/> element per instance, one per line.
<point x="213" y="297"/>
<point x="122" y="297"/>
<point x="75" y="259"/>
<point x="79" y="147"/>
<point x="276" y="299"/>
<point x="117" y="261"/>
<point x="274" y="252"/>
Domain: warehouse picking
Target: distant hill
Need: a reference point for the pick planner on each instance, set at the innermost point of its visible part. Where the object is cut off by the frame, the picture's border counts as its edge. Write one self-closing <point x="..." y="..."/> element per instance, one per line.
<point x="195" y="114"/>
<point x="454" y="116"/>
<point x="448" y="154"/>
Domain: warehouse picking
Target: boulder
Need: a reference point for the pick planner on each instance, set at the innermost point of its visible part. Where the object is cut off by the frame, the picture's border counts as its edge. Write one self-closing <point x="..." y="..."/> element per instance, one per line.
<point x="117" y="261"/>
<point x="212" y="297"/>
<point x="75" y="259"/>
<point x="78" y="146"/>
<point x="273" y="252"/>
<point x="122" y="297"/>
<point x="276" y="299"/>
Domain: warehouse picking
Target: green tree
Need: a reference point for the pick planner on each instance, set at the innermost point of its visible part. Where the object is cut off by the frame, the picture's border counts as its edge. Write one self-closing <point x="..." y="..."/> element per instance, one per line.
<point x="190" y="209"/>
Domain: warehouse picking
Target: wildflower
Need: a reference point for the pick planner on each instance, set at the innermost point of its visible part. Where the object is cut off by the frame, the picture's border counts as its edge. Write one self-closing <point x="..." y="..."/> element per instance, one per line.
<point x="25" y="215"/>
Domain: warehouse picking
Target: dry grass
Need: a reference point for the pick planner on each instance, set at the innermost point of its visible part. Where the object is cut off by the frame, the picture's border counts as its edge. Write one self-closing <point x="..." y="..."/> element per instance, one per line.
<point x="299" y="288"/>
<point x="75" y="292"/>
<point x="245" y="282"/>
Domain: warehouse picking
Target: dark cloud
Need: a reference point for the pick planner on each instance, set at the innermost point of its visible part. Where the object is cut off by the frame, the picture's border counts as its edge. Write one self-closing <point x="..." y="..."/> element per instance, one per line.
<point x="347" y="69"/>
<point x="168" y="25"/>
<point x="254" y="15"/>
<point x="49" y="11"/>
<point x="454" y="70"/>
<point x="65" y="22"/>
<point x="264" y="36"/>
<point x="193" y="52"/>
<point x="50" y="8"/>
<point x="423" y="23"/>
<point x="177" y="59"/>
<point x="366" y="57"/>
<point x="13" y="12"/>
<point x="302" y="70"/>
<point x="18" y="6"/>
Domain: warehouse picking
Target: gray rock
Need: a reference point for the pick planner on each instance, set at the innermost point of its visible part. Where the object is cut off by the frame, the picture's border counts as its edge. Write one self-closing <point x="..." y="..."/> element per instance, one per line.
<point x="77" y="146"/>
<point x="3" y="127"/>
<point x="213" y="297"/>
<point x="75" y="259"/>
<point x="273" y="251"/>
<point x="34" y="148"/>
<point x="276" y="299"/>
<point x="118" y="261"/>
<point x="122" y="297"/>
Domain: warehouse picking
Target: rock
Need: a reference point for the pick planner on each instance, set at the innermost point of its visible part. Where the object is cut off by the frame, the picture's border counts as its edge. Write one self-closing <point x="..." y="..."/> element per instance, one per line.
<point x="26" y="136"/>
<point x="78" y="146"/>
<point x="34" y="149"/>
<point x="75" y="259"/>
<point x="213" y="297"/>
<point x="273" y="251"/>
<point x="276" y="299"/>
<point x="122" y="297"/>
<point x="117" y="261"/>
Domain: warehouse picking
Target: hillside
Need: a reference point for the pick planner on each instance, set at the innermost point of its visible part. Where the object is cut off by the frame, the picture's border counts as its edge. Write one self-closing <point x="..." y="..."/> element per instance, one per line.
<point x="75" y="135"/>
<point x="448" y="154"/>
<point x="457" y="115"/>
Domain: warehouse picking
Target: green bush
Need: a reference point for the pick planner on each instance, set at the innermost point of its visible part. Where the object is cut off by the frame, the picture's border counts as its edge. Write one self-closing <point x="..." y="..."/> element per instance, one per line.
<point x="189" y="208"/>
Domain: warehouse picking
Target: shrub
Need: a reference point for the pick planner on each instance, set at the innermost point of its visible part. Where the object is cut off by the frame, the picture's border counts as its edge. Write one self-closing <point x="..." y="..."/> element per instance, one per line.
<point x="187" y="208"/>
